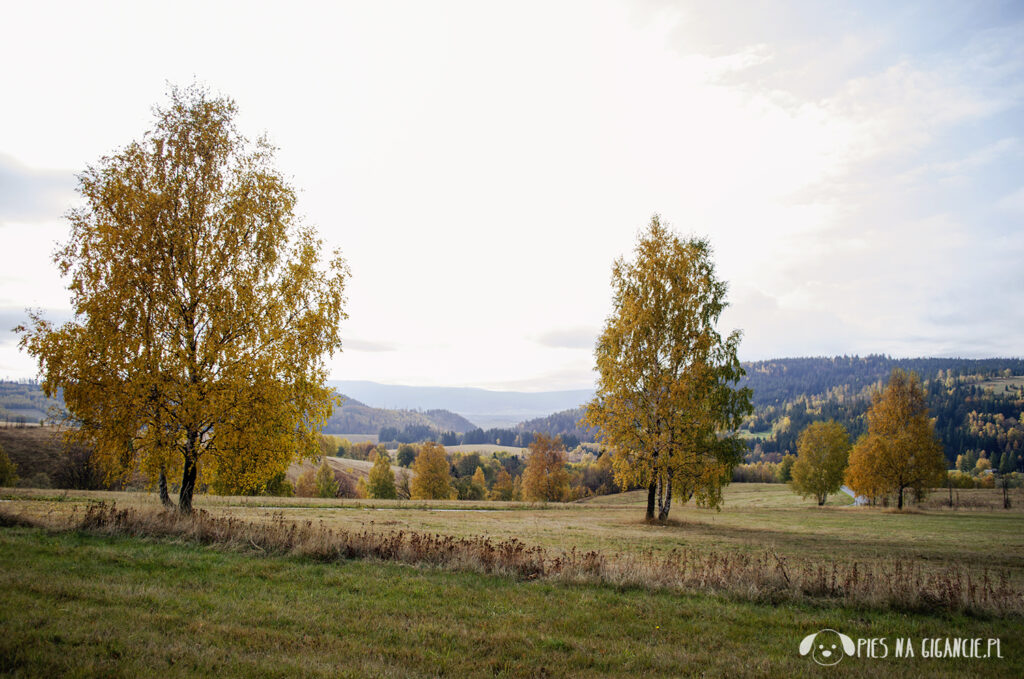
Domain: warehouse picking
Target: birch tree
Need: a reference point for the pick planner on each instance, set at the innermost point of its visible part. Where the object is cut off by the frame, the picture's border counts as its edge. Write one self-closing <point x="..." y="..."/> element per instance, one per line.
<point x="667" y="402"/>
<point x="204" y="309"/>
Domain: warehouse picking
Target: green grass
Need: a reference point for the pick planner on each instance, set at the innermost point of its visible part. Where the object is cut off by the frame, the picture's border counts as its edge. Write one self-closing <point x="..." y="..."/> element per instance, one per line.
<point x="78" y="605"/>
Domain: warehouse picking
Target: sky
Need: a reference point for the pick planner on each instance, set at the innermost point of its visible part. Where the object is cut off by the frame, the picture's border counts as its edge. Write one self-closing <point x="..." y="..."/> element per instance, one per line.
<point x="857" y="167"/>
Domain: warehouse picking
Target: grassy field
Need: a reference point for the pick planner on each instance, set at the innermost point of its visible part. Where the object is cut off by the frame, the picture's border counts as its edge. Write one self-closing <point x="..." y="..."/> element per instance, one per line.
<point x="66" y="598"/>
<point x="999" y="384"/>
<point x="357" y="469"/>
<point x="754" y="517"/>
<point x="486" y="449"/>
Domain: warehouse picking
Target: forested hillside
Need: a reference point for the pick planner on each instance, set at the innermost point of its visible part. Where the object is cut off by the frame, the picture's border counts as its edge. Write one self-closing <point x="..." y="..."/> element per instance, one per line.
<point x="977" y="405"/>
<point x="565" y="423"/>
<point x="355" y="417"/>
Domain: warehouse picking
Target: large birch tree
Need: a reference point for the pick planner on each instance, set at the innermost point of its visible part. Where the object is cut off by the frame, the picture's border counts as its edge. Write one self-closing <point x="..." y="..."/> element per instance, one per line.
<point x="667" y="403"/>
<point x="203" y="308"/>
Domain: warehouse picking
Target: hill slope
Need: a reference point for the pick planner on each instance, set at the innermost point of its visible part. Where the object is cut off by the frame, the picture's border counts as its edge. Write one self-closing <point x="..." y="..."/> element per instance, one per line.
<point x="23" y="402"/>
<point x="485" y="407"/>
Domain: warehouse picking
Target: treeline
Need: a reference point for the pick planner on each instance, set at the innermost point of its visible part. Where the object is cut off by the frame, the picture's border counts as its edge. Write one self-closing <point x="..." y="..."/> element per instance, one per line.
<point x="513" y="438"/>
<point x="566" y="423"/>
<point x="543" y="474"/>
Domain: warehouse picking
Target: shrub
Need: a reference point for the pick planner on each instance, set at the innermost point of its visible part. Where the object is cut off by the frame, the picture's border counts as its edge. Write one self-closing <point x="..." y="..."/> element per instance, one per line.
<point x="8" y="470"/>
<point x="326" y="484"/>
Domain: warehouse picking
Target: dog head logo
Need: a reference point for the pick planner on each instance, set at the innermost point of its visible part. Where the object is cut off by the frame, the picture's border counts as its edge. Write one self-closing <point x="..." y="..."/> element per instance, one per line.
<point x="827" y="646"/>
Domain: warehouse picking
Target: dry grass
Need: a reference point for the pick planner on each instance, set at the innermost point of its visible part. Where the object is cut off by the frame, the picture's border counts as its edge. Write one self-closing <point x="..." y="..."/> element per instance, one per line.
<point x="894" y="584"/>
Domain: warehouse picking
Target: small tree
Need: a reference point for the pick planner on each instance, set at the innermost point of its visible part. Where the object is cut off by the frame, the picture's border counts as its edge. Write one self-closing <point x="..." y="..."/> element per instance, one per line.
<point x="480" y="482"/>
<point x="433" y="479"/>
<point x="8" y="470"/>
<point x="305" y="485"/>
<point x="326" y="484"/>
<point x="279" y="486"/>
<point x="402" y="486"/>
<point x="785" y="470"/>
<point x="406" y="455"/>
<point x="546" y="478"/>
<point x="900" y="450"/>
<point x="504" y="487"/>
<point x="381" y="483"/>
<point x="823" y="450"/>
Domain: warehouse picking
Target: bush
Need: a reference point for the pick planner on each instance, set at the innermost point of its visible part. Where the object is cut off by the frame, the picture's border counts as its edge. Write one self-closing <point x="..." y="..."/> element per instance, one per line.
<point x="279" y="486"/>
<point x="326" y="484"/>
<point x="77" y="471"/>
<point x="305" y="486"/>
<point x="37" y="480"/>
<point x="8" y="470"/>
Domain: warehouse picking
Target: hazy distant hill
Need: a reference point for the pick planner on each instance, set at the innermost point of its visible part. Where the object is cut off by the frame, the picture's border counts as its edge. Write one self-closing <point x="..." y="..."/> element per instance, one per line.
<point x="562" y="423"/>
<point x="24" y="402"/>
<point x="355" y="417"/>
<point x="488" y="409"/>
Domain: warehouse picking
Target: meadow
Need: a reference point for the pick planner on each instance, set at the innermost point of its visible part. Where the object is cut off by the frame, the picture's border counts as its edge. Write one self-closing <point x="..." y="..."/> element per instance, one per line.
<point x="244" y="608"/>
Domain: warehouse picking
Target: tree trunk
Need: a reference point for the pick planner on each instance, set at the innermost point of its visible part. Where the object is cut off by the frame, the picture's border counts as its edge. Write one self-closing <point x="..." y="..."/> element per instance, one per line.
<point x="821" y="499"/>
<point x="165" y="498"/>
<point x="663" y="514"/>
<point x="899" y="504"/>
<point x="188" y="486"/>
<point x="661" y="494"/>
<point x="651" y="490"/>
<point x="188" y="475"/>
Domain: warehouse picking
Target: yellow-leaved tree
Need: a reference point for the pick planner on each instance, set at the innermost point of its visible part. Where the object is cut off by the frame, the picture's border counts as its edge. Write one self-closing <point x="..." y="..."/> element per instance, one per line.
<point x="432" y="478"/>
<point x="667" y="403"/>
<point x="900" y="450"/>
<point x="203" y="308"/>
<point x="381" y="481"/>
<point x="823" y="450"/>
<point x="545" y="478"/>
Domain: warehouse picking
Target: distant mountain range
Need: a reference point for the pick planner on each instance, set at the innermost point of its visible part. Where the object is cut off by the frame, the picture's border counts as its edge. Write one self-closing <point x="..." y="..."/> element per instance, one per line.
<point x="485" y="408"/>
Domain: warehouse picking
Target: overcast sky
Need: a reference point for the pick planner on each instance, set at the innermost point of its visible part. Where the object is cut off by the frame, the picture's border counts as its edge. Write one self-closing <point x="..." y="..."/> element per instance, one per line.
<point x="858" y="169"/>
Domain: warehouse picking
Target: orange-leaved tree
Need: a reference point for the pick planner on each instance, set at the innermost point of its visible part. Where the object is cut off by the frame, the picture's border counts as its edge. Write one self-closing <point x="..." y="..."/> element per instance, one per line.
<point x="900" y="450"/>
<point x="545" y="478"/>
